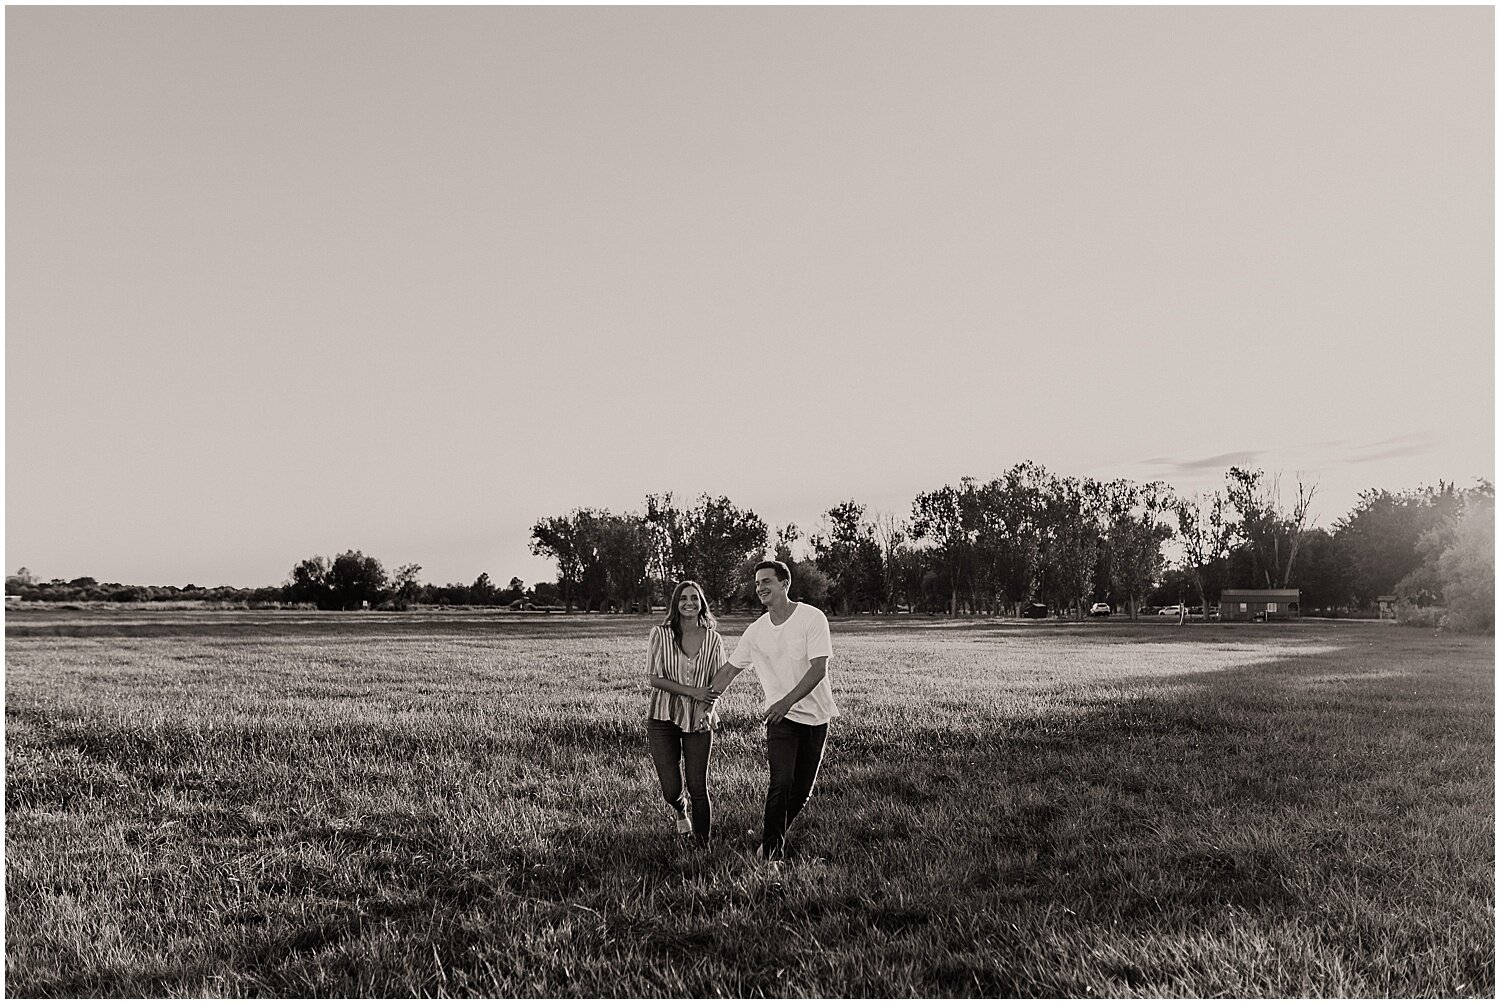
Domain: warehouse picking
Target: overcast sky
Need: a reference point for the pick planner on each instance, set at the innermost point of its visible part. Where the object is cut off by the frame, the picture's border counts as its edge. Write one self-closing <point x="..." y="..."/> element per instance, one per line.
<point x="289" y="281"/>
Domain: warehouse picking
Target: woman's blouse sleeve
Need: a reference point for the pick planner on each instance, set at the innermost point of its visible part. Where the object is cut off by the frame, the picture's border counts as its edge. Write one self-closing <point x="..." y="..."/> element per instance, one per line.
<point x="656" y="659"/>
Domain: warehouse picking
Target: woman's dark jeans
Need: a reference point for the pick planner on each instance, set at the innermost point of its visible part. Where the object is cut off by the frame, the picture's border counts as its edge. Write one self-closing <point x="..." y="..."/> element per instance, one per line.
<point x="795" y="751"/>
<point x="673" y="749"/>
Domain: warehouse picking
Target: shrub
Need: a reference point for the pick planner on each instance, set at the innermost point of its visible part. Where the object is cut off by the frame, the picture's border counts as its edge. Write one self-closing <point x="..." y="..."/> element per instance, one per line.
<point x="1412" y="615"/>
<point x="1467" y="571"/>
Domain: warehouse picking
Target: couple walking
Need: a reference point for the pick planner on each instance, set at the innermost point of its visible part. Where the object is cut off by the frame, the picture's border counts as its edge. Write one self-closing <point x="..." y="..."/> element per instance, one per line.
<point x="789" y="648"/>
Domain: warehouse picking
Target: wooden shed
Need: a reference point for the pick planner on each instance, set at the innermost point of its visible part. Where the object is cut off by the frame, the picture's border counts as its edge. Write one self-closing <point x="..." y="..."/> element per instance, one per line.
<point x="1387" y="606"/>
<point x="1260" y="604"/>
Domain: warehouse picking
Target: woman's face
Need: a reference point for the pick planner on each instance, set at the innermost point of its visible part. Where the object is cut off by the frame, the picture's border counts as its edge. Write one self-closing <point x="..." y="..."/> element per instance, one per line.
<point x="689" y="603"/>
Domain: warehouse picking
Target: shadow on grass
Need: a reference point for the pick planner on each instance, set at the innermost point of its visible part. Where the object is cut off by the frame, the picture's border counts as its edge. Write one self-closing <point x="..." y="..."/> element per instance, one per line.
<point x="1343" y="794"/>
<point x="1248" y="792"/>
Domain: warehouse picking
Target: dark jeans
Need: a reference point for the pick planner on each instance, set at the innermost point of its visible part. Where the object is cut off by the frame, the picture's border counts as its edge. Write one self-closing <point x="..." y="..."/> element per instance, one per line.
<point x="672" y="749"/>
<point x="795" y="751"/>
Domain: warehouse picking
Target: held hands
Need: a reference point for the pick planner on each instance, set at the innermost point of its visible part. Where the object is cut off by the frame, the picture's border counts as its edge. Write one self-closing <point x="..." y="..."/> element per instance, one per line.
<point x="777" y="711"/>
<point x="707" y="694"/>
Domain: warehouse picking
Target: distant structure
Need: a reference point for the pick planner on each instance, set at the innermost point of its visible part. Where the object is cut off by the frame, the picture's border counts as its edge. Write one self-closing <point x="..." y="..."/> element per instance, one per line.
<point x="1387" y="605"/>
<point x="1260" y="604"/>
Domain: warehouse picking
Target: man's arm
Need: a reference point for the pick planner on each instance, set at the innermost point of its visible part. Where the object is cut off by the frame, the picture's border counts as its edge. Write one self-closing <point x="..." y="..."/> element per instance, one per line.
<point x="817" y="669"/>
<point x="724" y="676"/>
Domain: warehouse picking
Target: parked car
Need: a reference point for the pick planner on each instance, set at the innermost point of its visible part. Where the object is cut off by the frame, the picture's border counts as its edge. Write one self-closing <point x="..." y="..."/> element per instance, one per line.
<point x="1100" y="610"/>
<point x="1034" y="610"/>
<point x="1173" y="611"/>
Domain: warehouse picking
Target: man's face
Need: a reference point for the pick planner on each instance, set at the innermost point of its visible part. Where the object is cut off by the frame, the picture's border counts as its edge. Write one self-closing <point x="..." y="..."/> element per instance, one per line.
<point x="768" y="586"/>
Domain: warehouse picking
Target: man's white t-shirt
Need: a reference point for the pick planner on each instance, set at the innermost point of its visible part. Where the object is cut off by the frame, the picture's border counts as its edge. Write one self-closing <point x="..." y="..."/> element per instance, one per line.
<point x="782" y="654"/>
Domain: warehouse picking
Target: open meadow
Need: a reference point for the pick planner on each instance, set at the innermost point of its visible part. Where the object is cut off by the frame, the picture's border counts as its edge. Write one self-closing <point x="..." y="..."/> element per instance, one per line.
<point x="276" y="803"/>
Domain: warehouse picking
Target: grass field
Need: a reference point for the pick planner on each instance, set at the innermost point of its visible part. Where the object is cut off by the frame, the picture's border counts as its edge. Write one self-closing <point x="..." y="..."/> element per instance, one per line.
<point x="284" y="804"/>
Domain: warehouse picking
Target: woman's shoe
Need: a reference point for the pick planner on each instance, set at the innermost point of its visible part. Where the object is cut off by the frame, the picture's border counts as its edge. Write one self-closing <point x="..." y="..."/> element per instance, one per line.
<point x="684" y="825"/>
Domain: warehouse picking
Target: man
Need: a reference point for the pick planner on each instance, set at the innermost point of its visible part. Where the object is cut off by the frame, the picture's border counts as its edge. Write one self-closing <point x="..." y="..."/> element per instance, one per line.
<point x="789" y="646"/>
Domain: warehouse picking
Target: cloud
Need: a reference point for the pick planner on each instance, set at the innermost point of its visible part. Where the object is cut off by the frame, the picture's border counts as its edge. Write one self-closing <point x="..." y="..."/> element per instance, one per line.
<point x="1408" y="445"/>
<point x="1409" y="450"/>
<point x="1220" y="461"/>
<point x="1307" y="458"/>
<point x="1410" y="437"/>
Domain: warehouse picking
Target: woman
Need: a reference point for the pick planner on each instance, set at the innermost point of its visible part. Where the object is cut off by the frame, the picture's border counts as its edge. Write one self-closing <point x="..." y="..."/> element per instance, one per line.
<point x="685" y="652"/>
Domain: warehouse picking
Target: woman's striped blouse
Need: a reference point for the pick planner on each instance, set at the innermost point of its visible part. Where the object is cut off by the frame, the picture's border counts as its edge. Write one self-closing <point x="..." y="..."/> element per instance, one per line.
<point x="669" y="661"/>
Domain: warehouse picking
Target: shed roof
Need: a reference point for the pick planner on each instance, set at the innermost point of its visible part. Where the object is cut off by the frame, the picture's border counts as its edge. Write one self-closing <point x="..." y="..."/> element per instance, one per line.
<point x="1242" y="595"/>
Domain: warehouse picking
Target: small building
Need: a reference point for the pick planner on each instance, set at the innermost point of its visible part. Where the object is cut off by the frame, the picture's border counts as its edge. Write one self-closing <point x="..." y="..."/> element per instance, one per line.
<point x="1387" y="606"/>
<point x="1260" y="604"/>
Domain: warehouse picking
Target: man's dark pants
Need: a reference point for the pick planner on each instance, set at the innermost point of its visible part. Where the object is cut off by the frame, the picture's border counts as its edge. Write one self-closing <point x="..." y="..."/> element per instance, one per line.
<point x="795" y="751"/>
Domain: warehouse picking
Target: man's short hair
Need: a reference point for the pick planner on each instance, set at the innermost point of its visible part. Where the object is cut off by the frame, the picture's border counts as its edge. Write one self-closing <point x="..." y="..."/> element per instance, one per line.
<point x="779" y="567"/>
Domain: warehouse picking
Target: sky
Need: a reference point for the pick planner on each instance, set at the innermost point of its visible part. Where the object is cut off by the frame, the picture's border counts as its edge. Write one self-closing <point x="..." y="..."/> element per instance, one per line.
<point x="293" y="281"/>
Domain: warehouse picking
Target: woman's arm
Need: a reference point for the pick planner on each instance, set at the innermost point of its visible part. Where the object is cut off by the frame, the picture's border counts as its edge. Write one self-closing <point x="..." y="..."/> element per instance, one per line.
<point x="656" y="673"/>
<point x="673" y="687"/>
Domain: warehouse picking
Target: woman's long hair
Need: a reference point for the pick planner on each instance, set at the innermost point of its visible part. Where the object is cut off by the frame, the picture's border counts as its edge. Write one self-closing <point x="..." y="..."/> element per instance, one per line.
<point x="674" y="616"/>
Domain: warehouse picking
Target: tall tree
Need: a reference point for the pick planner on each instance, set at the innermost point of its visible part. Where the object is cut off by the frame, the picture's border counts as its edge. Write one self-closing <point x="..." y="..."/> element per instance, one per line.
<point x="589" y="527"/>
<point x="308" y="582"/>
<point x="1466" y="567"/>
<point x="406" y="586"/>
<point x="1072" y="539"/>
<point x="355" y="579"/>
<point x="558" y="538"/>
<point x="939" y="517"/>
<point x="1136" y="527"/>
<point x="1322" y="571"/>
<point x="1380" y="535"/>
<point x="1206" y="532"/>
<point x="669" y="546"/>
<point x="847" y="552"/>
<point x="891" y="537"/>
<point x="786" y="539"/>
<point x="603" y="559"/>
<point x="483" y="591"/>
<point x="707" y="543"/>
<point x="626" y="548"/>
<point x="1272" y="534"/>
<point x="1010" y="539"/>
<point x="808" y="581"/>
<point x="1452" y="514"/>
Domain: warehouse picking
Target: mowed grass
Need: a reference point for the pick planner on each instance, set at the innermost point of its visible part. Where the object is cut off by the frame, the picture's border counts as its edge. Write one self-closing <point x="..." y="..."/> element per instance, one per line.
<point x="278" y="804"/>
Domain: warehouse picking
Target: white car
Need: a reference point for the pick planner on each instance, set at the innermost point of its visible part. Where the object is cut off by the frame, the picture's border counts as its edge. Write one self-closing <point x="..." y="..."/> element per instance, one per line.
<point x="1172" y="611"/>
<point x="1100" y="610"/>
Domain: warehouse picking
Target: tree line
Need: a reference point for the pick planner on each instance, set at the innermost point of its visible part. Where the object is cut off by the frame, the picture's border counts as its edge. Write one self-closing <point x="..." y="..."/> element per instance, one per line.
<point x="1028" y="536"/>
<point x="350" y="581"/>
<point x="1032" y="536"/>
